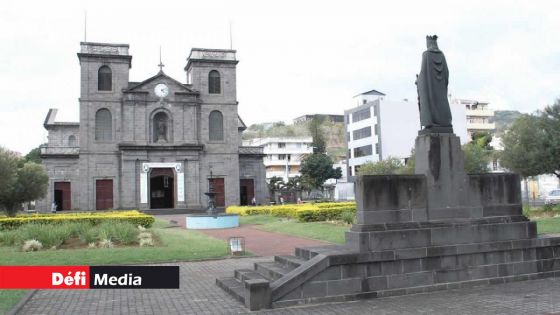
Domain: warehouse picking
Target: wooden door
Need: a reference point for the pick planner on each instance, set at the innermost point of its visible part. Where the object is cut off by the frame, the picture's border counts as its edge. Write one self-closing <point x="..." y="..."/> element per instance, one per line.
<point x="247" y="191"/>
<point x="104" y="194"/>
<point x="219" y="189"/>
<point x="63" y="195"/>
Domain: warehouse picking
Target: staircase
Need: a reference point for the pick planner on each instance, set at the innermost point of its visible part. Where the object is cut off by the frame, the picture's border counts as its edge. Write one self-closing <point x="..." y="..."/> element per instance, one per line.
<point x="263" y="275"/>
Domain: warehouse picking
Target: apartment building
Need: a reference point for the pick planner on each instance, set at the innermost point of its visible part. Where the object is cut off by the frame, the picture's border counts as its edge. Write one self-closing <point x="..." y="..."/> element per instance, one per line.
<point x="377" y="128"/>
<point x="478" y="115"/>
<point x="283" y="155"/>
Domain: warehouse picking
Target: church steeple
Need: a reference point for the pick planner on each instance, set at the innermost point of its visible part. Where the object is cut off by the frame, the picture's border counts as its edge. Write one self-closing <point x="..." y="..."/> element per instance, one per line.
<point x="161" y="65"/>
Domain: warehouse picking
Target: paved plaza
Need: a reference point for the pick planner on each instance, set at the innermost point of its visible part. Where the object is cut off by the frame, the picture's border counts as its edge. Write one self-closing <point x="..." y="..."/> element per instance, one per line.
<point x="258" y="242"/>
<point x="200" y="295"/>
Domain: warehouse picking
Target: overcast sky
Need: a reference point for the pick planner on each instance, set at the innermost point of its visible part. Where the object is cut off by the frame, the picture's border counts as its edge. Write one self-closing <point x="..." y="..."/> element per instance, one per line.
<point x="296" y="57"/>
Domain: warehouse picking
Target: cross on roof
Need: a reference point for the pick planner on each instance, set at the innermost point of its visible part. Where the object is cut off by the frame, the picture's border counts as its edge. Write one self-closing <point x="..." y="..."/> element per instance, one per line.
<point x="161" y="65"/>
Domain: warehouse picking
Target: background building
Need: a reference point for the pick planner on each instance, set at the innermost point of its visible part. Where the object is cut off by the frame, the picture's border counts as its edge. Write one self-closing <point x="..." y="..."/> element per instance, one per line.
<point x="332" y="118"/>
<point x="478" y="115"/>
<point x="377" y="128"/>
<point x="283" y="156"/>
<point x="153" y="144"/>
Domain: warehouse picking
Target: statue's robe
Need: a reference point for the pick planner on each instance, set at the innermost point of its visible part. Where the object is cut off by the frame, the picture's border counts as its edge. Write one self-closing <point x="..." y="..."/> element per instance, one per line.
<point x="432" y="90"/>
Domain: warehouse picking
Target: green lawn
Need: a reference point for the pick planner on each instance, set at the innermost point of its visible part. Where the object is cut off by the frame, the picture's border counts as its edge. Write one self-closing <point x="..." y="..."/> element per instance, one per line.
<point x="315" y="230"/>
<point x="177" y="245"/>
<point x="548" y="225"/>
<point x="9" y="298"/>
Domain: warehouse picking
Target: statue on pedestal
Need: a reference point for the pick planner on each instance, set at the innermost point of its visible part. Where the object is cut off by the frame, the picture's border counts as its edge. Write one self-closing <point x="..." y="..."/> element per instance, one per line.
<point x="435" y="114"/>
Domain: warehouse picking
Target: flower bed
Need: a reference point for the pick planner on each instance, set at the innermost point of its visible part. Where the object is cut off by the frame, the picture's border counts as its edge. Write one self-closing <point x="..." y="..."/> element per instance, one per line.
<point x="135" y="217"/>
<point x="301" y="212"/>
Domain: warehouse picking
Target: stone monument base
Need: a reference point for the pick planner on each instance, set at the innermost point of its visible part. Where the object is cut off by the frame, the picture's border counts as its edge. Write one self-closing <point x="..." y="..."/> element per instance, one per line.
<point x="337" y="274"/>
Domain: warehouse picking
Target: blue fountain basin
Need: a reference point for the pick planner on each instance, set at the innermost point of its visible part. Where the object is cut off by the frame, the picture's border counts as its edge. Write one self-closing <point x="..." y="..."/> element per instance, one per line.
<point x="204" y="221"/>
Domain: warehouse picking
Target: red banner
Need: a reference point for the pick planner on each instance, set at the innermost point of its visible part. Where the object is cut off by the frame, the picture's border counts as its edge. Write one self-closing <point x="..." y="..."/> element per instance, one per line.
<point x="44" y="277"/>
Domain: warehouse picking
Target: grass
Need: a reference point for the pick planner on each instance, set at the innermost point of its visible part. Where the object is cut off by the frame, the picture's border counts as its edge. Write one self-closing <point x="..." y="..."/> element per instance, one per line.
<point x="323" y="231"/>
<point x="176" y="245"/>
<point x="548" y="225"/>
<point x="9" y="298"/>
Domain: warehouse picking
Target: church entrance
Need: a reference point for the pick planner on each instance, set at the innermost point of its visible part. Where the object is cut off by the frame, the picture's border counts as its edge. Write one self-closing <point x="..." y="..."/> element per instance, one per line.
<point x="162" y="189"/>
<point x="246" y="191"/>
<point x="62" y="197"/>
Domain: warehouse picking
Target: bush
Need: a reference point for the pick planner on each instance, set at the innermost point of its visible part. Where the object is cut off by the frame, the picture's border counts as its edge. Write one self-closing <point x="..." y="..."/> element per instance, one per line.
<point x="301" y="212"/>
<point x="347" y="217"/>
<point x="31" y="246"/>
<point x="123" y="232"/>
<point x="94" y="218"/>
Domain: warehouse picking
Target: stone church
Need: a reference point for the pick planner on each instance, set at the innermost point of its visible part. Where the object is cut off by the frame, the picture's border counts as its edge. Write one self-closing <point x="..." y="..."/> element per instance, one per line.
<point x="155" y="144"/>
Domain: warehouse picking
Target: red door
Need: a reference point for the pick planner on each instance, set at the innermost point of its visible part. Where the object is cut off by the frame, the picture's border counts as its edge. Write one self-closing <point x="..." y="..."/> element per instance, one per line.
<point x="104" y="194"/>
<point x="62" y="195"/>
<point x="218" y="185"/>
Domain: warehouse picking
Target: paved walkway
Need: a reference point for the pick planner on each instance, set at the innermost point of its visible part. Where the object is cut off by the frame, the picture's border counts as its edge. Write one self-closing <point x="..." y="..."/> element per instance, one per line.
<point x="199" y="295"/>
<point x="258" y="242"/>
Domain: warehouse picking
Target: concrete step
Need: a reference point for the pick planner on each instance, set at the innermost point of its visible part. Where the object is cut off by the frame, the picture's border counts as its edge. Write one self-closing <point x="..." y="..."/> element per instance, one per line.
<point x="272" y="270"/>
<point x="249" y="274"/>
<point x="289" y="261"/>
<point x="232" y="286"/>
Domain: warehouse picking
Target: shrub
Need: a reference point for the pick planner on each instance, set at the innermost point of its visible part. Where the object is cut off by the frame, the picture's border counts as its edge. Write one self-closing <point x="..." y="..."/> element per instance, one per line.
<point x="347" y="217"/>
<point x="301" y="212"/>
<point x="144" y="234"/>
<point x="105" y="243"/>
<point x="123" y="232"/>
<point x="31" y="246"/>
<point x="548" y="207"/>
<point x="94" y="218"/>
<point x="146" y="242"/>
<point x="47" y="234"/>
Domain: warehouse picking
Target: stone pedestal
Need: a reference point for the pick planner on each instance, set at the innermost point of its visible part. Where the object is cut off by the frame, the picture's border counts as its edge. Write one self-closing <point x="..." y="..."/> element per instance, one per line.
<point x="435" y="230"/>
<point x="440" y="159"/>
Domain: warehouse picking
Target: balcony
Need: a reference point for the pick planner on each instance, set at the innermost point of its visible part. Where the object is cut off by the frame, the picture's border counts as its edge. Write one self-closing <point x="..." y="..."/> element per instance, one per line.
<point x="60" y="151"/>
<point x="281" y="162"/>
<point x="479" y="113"/>
<point x="481" y="126"/>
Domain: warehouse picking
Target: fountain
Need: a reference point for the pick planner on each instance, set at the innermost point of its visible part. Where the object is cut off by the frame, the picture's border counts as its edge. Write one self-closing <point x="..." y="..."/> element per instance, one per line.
<point x="212" y="219"/>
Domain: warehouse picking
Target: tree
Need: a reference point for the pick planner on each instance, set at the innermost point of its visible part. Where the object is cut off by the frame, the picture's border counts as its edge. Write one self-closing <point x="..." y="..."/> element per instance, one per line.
<point x="550" y="120"/>
<point x="19" y="184"/>
<point x="319" y="143"/>
<point x="34" y="155"/>
<point x="482" y="139"/>
<point x="524" y="151"/>
<point x="476" y="158"/>
<point x="275" y="183"/>
<point x="317" y="168"/>
<point x="388" y="166"/>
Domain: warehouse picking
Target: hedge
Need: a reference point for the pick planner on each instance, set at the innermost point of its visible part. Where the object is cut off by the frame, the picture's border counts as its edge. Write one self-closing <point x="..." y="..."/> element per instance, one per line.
<point x="135" y="217"/>
<point x="301" y="212"/>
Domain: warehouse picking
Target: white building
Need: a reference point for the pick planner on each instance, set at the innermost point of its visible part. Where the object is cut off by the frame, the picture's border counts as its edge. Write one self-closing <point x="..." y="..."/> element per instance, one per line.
<point x="283" y="156"/>
<point x="377" y="128"/>
<point x="478" y="115"/>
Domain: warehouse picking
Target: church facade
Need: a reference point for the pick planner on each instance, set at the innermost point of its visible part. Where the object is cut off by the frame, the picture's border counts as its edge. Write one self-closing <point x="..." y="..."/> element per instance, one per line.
<point x="155" y="144"/>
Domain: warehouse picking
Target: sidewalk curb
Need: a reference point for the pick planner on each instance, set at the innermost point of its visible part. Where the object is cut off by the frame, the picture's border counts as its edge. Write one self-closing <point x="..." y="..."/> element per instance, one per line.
<point x="21" y="303"/>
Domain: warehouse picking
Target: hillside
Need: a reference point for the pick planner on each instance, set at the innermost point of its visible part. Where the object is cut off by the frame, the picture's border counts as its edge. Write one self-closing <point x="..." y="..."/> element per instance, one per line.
<point x="503" y="119"/>
<point x="334" y="134"/>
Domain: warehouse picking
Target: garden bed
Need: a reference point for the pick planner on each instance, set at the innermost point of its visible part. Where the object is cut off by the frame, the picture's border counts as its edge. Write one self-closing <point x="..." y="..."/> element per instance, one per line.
<point x="134" y="217"/>
<point x="329" y="211"/>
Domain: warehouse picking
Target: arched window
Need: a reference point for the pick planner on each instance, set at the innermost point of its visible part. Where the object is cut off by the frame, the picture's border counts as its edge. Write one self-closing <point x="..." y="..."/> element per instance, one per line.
<point x="104" y="79"/>
<point x="214" y="82"/>
<point x="216" y="125"/>
<point x="103" y="125"/>
<point x="72" y="141"/>
<point x="160" y="127"/>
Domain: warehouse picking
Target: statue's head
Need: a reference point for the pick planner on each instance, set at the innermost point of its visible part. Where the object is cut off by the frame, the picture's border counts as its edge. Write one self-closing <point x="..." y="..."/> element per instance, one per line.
<point x="431" y="43"/>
